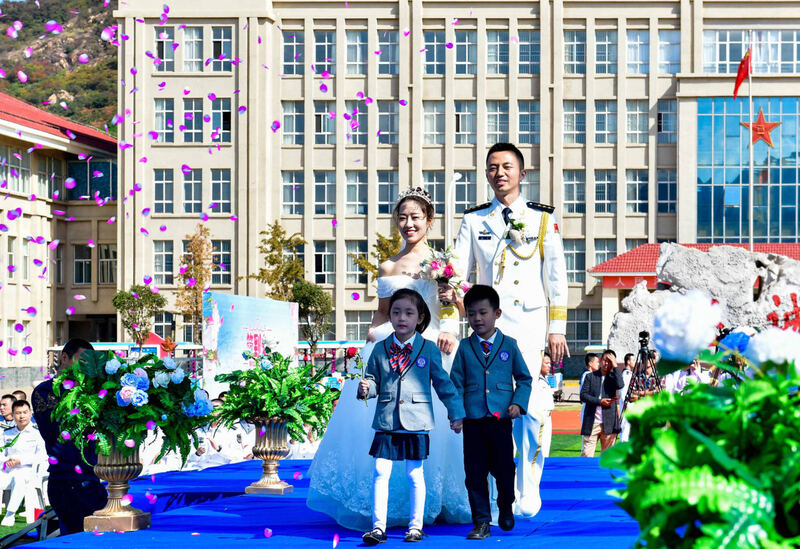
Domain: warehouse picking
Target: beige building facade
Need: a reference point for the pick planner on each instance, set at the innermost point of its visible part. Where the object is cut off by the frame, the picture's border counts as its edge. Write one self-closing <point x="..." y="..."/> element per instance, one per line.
<point x="604" y="99"/>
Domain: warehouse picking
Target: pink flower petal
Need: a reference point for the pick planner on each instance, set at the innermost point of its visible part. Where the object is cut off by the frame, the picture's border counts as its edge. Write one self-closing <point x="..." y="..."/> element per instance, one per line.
<point x="356" y="296"/>
<point x="70" y="311"/>
<point x="267" y="532"/>
<point x="126" y="500"/>
<point x="65" y="435"/>
<point x="102" y="393"/>
<point x="129" y="443"/>
<point x="79" y="297"/>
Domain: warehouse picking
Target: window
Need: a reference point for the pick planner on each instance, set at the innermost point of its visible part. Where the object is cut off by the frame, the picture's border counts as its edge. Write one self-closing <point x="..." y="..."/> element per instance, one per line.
<point x="574" y="191"/>
<point x="434" y="52"/>
<point x="575" y="254"/>
<point x="466" y="190"/>
<point x="497" y="52"/>
<point x="529" y="122"/>
<point x="49" y="173"/>
<point x="606" y="52"/>
<point x="325" y="262"/>
<point x="667" y="121"/>
<point x="222" y="48"/>
<point x="163" y="189"/>
<point x="324" y="192"/>
<point x="26" y="259"/>
<point x="774" y="50"/>
<point x="357" y="122"/>
<point x="164" y="324"/>
<point x="638" y="122"/>
<point x="356" y="52"/>
<point x="293" y="44"/>
<point x="193" y="120"/>
<point x="324" y="123"/>
<point x="293" y="193"/>
<point x="193" y="49"/>
<point x="108" y="264"/>
<point x="15" y="168"/>
<point x="633" y="243"/>
<point x="466" y="122"/>
<point x="165" y="52"/>
<point x="293" y="123"/>
<point x="388" y="122"/>
<point x="667" y="191"/>
<point x="604" y="249"/>
<point x="529" y="187"/>
<point x="356" y="192"/>
<point x="165" y="115"/>
<point x="58" y="259"/>
<point x="355" y="274"/>
<point x="637" y="191"/>
<point x="82" y="264"/>
<point x="497" y="121"/>
<point x="529" y="52"/>
<point x="325" y="51"/>
<point x="357" y="324"/>
<point x="433" y="122"/>
<point x="605" y="121"/>
<point x="188" y="328"/>
<point x="221" y="189"/>
<point x="574" y="121"/>
<point x="466" y="52"/>
<point x="434" y="184"/>
<point x="389" y="59"/>
<point x="575" y="52"/>
<point x="193" y="191"/>
<point x="669" y="51"/>
<point x="162" y="262"/>
<point x="387" y="191"/>
<point x="638" y="51"/>
<point x="584" y="327"/>
<point x="605" y="191"/>
<point x="221" y="258"/>
<point x="221" y="120"/>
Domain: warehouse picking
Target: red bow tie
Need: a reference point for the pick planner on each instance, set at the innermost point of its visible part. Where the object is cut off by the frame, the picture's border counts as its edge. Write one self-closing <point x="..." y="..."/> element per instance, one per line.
<point x="399" y="356"/>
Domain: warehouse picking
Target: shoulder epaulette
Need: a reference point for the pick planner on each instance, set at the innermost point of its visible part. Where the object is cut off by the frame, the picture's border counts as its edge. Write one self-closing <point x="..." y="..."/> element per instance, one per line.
<point x="543" y="207"/>
<point x="477" y="208"/>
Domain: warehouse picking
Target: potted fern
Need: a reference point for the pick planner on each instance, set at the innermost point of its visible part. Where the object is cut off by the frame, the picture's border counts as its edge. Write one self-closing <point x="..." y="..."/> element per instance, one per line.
<point x="280" y="399"/>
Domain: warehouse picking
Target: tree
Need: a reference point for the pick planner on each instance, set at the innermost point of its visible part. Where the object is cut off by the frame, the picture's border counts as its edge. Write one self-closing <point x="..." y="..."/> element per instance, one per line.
<point x="315" y="307"/>
<point x="282" y="266"/>
<point x="385" y="248"/>
<point x="196" y="276"/>
<point x="136" y="309"/>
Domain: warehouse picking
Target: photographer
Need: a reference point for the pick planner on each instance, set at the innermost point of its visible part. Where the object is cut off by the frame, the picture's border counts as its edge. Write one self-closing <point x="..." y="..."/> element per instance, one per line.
<point x="601" y="419"/>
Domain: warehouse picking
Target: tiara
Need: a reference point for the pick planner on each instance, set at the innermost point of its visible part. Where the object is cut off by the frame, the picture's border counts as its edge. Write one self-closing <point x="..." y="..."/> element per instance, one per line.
<point x="418" y="192"/>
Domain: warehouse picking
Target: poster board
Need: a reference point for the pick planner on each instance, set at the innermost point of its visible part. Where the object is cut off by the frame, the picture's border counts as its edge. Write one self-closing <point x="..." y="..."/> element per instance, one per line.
<point x="233" y="324"/>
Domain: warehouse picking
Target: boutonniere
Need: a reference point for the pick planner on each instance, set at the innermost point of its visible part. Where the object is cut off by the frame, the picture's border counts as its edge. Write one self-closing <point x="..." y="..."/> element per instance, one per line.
<point x="518" y="232"/>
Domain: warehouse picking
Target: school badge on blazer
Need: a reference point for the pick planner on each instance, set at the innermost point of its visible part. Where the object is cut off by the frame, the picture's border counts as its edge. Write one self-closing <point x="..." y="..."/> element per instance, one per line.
<point x="504" y="356"/>
<point x="422" y="362"/>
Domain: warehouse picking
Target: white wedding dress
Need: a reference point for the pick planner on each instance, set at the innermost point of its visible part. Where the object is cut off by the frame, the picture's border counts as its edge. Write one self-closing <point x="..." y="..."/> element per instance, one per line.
<point x="341" y="473"/>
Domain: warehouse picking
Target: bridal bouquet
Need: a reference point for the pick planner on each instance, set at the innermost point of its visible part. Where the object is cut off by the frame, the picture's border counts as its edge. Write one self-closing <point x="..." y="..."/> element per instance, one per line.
<point x="440" y="267"/>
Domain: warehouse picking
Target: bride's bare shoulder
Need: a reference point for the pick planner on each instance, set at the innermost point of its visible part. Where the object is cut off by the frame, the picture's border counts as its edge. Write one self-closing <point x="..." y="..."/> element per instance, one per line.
<point x="386" y="268"/>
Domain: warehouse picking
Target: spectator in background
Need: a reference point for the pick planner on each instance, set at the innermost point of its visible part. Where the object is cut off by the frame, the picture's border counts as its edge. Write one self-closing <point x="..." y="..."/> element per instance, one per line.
<point x="219" y="445"/>
<point x="7" y="421"/>
<point x="20" y="395"/>
<point x="627" y="374"/>
<point x="543" y="404"/>
<point x="20" y="460"/>
<point x="677" y="381"/>
<point x="599" y="392"/>
<point x="592" y="362"/>
<point x="73" y="495"/>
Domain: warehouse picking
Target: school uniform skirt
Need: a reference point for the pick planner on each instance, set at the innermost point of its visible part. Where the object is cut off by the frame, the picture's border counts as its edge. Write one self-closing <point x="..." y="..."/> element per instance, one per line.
<point x="400" y="446"/>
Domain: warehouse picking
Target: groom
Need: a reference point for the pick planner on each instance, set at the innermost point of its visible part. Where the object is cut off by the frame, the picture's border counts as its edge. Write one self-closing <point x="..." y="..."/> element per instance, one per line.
<point x="517" y="249"/>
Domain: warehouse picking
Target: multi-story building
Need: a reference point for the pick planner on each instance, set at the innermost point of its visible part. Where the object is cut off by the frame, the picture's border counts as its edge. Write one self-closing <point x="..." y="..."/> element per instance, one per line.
<point x="57" y="236"/>
<point x="317" y="114"/>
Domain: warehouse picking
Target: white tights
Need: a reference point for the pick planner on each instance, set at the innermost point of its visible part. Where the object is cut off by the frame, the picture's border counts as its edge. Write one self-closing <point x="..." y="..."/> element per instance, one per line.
<point x="380" y="492"/>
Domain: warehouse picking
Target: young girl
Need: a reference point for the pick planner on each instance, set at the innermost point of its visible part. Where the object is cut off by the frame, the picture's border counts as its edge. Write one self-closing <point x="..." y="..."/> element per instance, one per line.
<point x="399" y="373"/>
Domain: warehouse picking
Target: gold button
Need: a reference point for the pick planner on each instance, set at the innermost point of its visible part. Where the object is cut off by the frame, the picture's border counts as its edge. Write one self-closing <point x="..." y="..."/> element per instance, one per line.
<point x="516" y="302"/>
<point x="516" y="263"/>
<point x="401" y="401"/>
<point x="516" y="282"/>
<point x="487" y="391"/>
<point x="487" y="372"/>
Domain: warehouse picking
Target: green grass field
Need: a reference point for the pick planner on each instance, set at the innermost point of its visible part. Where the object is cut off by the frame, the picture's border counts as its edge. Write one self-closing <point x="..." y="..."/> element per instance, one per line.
<point x="565" y="446"/>
<point x="5" y="530"/>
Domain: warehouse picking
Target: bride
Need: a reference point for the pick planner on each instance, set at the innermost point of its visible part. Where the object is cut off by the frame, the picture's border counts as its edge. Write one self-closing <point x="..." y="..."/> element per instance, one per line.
<point x="341" y="473"/>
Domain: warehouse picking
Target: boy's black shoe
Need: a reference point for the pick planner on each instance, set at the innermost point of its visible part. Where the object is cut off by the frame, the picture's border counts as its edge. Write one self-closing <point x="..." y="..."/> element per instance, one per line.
<point x="481" y="531"/>
<point x="415" y="534"/>
<point x="374" y="537"/>
<point x="506" y="519"/>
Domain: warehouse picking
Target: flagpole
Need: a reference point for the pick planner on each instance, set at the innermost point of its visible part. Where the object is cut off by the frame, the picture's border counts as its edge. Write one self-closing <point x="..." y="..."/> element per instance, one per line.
<point x="750" y="137"/>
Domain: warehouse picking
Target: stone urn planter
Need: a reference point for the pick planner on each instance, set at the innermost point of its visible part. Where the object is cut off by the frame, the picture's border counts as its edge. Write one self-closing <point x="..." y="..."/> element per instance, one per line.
<point x="118" y="515"/>
<point x="272" y="445"/>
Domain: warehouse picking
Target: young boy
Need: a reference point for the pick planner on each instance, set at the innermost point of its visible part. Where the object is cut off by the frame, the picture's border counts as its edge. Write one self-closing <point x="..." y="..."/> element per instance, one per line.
<point x="486" y="367"/>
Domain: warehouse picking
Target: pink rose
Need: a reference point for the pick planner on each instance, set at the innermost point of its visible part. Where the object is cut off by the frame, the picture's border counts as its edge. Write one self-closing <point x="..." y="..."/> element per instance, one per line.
<point x="126" y="393"/>
<point x="465" y="286"/>
<point x="435" y="266"/>
<point x="449" y="271"/>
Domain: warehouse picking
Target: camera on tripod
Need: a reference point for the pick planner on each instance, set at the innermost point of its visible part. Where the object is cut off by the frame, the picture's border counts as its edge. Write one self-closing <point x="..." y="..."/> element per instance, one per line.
<point x="644" y="339"/>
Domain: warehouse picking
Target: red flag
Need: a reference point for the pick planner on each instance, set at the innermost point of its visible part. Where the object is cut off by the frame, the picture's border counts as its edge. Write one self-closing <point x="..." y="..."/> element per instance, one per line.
<point x="745" y="69"/>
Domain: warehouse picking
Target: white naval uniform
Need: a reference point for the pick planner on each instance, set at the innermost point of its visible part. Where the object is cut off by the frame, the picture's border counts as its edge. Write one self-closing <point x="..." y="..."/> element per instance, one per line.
<point x="29" y="449"/>
<point x="529" y="277"/>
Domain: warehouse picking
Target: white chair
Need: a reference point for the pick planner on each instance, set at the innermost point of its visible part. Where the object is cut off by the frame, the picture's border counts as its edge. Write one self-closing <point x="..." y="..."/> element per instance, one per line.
<point x="35" y="492"/>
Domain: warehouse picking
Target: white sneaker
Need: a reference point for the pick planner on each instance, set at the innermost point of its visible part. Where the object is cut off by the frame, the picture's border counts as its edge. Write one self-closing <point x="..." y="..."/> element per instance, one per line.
<point x="9" y="520"/>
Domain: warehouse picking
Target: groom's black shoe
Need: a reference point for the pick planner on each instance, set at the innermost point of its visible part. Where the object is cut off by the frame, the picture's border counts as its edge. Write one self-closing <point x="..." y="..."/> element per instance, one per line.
<point x="506" y="519"/>
<point x="374" y="537"/>
<point x="481" y="531"/>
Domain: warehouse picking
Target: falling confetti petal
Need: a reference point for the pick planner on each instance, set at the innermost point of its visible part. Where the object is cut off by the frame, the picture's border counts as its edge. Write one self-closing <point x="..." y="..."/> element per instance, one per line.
<point x="275" y="126"/>
<point x="151" y="425"/>
<point x="298" y="475"/>
<point x="267" y="532"/>
<point x="70" y="183"/>
<point x="70" y="311"/>
<point x="126" y="500"/>
<point x="27" y="350"/>
<point x="79" y="297"/>
<point x="83" y="58"/>
<point x="74" y="412"/>
<point x="335" y="540"/>
<point x="356" y="296"/>
<point x="52" y="460"/>
<point x="78" y="469"/>
<point x="102" y="393"/>
<point x="129" y="443"/>
<point x="19" y="328"/>
<point x="68" y="384"/>
<point x="91" y="436"/>
<point x="65" y="435"/>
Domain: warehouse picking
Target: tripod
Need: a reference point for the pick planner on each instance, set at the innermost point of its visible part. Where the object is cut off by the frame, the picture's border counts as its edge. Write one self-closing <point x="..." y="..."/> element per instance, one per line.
<point x="640" y="382"/>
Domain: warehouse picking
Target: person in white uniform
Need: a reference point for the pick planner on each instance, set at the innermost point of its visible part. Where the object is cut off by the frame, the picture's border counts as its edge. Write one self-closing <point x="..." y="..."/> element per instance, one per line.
<point x="515" y="246"/>
<point x="20" y="460"/>
<point x="544" y="404"/>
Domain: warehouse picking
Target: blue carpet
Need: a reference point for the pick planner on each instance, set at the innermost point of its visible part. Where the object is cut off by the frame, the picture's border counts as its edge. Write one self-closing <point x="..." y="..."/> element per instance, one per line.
<point x="207" y="510"/>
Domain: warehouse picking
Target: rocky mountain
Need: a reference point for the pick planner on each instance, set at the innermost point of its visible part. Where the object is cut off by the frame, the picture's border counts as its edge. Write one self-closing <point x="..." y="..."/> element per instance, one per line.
<point x="57" y="45"/>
